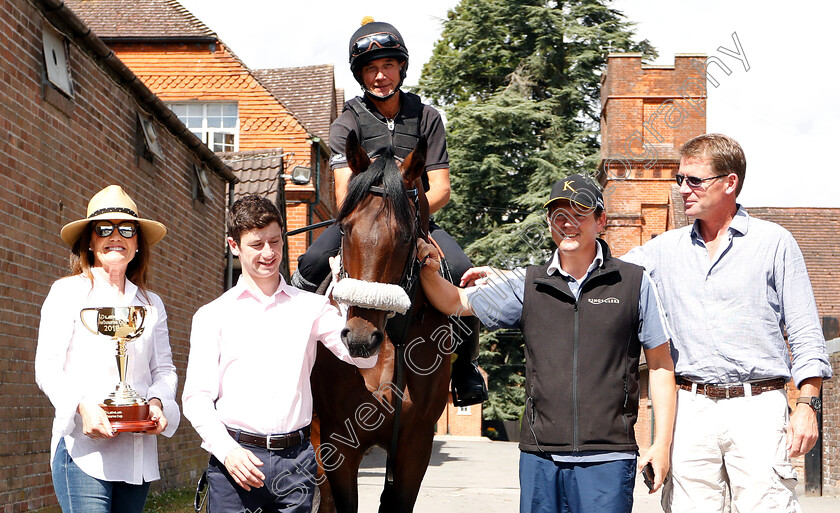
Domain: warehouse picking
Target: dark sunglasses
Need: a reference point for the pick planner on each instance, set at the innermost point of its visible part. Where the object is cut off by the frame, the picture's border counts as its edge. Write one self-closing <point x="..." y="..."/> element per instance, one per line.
<point x="695" y="182"/>
<point x="380" y="39"/>
<point x="127" y="229"/>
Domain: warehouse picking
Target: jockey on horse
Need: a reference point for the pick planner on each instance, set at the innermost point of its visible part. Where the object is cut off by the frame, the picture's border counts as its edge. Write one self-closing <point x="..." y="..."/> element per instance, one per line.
<point x="385" y="116"/>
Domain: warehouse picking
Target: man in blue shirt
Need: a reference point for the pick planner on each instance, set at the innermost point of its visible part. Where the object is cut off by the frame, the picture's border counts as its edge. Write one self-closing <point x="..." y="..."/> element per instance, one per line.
<point x="731" y="286"/>
<point x="585" y="318"/>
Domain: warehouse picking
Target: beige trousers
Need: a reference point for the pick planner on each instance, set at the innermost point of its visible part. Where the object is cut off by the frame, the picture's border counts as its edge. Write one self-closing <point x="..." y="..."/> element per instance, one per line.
<point x="730" y="447"/>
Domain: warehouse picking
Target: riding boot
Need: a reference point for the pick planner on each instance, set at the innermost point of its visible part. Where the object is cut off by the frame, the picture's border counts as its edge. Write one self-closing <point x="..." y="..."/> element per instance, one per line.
<point x="468" y="385"/>
<point x="302" y="283"/>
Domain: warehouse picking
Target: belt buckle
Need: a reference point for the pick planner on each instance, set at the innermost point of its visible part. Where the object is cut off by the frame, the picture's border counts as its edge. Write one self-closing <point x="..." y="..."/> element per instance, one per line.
<point x="268" y="443"/>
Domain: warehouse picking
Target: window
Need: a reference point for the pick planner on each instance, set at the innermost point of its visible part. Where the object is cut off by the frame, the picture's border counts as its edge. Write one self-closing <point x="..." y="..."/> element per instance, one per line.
<point x="216" y="124"/>
<point x="150" y="136"/>
<point x="201" y="190"/>
<point x="55" y="59"/>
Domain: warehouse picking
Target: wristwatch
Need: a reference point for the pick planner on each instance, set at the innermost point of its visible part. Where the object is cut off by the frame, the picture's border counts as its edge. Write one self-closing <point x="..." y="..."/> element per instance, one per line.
<point x="812" y="401"/>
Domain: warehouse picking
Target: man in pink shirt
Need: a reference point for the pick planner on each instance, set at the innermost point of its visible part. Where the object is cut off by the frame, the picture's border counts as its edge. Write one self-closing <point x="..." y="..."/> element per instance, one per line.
<point x="247" y="390"/>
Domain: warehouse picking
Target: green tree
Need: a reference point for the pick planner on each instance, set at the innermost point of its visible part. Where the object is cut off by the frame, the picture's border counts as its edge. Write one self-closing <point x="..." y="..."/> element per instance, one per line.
<point x="519" y="81"/>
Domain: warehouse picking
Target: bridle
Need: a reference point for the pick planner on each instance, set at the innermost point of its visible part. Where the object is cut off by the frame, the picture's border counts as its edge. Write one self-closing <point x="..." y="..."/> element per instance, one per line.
<point x="411" y="269"/>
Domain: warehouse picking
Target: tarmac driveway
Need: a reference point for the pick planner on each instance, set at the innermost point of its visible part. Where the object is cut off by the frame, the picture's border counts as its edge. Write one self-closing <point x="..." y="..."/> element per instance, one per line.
<point x="468" y="475"/>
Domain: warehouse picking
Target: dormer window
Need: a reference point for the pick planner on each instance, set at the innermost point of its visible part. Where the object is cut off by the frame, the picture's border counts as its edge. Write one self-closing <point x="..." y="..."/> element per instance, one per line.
<point x="216" y="124"/>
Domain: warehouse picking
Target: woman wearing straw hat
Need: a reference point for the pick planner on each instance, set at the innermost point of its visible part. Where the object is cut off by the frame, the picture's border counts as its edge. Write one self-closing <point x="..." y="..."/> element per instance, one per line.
<point x="95" y="469"/>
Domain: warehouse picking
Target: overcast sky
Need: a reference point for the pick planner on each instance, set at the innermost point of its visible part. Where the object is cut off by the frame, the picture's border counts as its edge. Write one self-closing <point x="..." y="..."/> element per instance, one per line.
<point x="783" y="110"/>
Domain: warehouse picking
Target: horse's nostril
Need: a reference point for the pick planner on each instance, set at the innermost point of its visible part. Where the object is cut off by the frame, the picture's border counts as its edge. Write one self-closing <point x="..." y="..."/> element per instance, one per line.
<point x="344" y="334"/>
<point x="376" y="338"/>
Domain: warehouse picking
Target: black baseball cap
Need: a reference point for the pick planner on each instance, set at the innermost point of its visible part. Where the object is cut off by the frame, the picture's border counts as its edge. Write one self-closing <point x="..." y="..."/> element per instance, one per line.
<point x="578" y="189"/>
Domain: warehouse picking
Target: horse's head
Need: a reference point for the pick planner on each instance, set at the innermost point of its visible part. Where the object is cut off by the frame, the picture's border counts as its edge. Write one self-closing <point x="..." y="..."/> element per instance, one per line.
<point x="384" y="212"/>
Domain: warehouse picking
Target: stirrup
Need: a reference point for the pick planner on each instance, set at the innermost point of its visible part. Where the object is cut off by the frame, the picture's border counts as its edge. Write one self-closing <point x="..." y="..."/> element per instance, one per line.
<point x="473" y="381"/>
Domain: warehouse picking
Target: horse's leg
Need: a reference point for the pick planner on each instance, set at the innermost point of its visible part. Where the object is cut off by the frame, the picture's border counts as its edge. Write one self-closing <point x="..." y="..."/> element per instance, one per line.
<point x="412" y="459"/>
<point x="326" y="504"/>
<point x="344" y="482"/>
<point x="322" y="502"/>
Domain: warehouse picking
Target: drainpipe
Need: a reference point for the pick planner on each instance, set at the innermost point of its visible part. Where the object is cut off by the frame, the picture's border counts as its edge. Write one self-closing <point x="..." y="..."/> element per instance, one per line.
<point x="229" y="255"/>
<point x="315" y="140"/>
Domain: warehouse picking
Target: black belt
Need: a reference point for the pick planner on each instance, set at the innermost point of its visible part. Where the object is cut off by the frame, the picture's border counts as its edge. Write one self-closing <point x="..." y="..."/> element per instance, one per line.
<point x="270" y="442"/>
<point x="725" y="391"/>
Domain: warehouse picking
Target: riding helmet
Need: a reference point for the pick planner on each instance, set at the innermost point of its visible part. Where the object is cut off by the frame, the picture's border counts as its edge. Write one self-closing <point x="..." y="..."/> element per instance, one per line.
<point x="376" y="40"/>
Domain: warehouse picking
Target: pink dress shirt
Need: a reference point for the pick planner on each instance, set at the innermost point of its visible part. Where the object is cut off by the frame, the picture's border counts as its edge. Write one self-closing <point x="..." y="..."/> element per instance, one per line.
<point x="250" y="361"/>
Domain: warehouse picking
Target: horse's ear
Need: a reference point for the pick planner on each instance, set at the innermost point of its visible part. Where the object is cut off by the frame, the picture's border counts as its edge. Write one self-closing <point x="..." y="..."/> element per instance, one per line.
<point x="357" y="157"/>
<point x="415" y="163"/>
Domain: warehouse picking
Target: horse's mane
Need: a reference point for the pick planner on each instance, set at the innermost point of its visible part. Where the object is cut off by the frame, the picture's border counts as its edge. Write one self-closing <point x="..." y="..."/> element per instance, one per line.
<point x="382" y="171"/>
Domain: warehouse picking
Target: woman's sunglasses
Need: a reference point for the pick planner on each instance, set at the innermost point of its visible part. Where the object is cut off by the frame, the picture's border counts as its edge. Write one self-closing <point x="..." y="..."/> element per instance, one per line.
<point x="127" y="229"/>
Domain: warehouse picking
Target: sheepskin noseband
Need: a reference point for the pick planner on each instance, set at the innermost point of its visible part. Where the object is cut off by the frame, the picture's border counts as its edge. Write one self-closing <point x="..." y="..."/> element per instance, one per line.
<point x="368" y="294"/>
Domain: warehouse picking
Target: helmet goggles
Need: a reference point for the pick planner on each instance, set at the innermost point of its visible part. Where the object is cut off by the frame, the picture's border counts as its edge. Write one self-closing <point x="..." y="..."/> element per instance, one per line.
<point x="371" y="41"/>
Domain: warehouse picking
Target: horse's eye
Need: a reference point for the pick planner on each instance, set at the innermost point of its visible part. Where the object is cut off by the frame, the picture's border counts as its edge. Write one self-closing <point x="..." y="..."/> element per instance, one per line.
<point x="341" y="229"/>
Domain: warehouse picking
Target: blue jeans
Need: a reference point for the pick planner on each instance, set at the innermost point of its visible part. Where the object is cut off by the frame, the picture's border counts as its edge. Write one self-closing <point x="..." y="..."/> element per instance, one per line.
<point x="77" y="492"/>
<point x="551" y="487"/>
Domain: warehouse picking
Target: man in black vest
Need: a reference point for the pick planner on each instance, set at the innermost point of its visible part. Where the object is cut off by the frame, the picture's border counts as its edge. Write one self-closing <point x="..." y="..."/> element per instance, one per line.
<point x="385" y="116"/>
<point x="585" y="318"/>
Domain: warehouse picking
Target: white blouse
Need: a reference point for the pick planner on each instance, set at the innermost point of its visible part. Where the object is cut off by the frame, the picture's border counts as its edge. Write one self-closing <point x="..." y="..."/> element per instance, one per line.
<point x="72" y="363"/>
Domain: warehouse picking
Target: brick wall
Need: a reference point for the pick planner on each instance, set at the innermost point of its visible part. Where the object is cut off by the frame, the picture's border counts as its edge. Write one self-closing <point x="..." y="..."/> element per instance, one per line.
<point x="644" y="423"/>
<point x="831" y="430"/>
<point x="459" y="421"/>
<point x="52" y="160"/>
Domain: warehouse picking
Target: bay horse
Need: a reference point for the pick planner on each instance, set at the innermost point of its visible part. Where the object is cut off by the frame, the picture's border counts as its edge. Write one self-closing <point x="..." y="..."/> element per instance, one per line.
<point x="384" y="213"/>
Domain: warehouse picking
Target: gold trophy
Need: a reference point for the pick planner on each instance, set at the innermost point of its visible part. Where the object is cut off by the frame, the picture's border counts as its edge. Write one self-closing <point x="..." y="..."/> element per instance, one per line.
<point x="127" y="411"/>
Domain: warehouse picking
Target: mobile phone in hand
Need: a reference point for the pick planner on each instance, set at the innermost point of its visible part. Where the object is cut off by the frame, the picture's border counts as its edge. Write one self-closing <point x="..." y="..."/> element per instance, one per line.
<point x="647" y="475"/>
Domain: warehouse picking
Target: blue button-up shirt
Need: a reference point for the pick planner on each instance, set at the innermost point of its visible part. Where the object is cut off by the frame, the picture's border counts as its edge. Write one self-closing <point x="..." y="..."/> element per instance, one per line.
<point x="727" y="313"/>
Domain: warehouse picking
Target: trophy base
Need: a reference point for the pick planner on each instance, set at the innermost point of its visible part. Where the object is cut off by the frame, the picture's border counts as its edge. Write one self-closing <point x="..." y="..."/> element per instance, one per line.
<point x="129" y="419"/>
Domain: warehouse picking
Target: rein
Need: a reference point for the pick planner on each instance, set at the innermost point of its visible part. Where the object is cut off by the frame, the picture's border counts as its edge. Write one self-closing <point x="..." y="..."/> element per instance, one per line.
<point x="310" y="227"/>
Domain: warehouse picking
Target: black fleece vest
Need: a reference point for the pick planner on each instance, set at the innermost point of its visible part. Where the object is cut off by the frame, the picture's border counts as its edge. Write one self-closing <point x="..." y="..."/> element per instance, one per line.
<point x="582" y="360"/>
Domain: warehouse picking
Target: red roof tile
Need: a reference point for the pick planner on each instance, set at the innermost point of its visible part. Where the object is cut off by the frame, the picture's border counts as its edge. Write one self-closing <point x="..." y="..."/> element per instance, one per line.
<point x="339" y="101"/>
<point x="140" y="19"/>
<point x="308" y="91"/>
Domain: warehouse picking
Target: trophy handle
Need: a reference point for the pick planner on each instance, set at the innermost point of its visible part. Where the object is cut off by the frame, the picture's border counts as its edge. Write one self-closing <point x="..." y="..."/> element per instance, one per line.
<point x="135" y="313"/>
<point x="82" y="317"/>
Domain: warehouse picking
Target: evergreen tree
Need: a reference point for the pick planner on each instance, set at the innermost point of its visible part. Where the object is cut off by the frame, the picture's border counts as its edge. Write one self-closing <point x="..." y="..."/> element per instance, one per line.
<point x="519" y="81"/>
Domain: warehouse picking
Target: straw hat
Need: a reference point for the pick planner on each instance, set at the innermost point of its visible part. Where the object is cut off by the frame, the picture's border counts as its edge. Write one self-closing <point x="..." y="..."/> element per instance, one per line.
<point x="112" y="203"/>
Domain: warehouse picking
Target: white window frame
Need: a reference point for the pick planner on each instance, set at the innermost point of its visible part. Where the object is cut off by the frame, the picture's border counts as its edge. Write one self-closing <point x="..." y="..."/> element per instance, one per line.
<point x="205" y="132"/>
